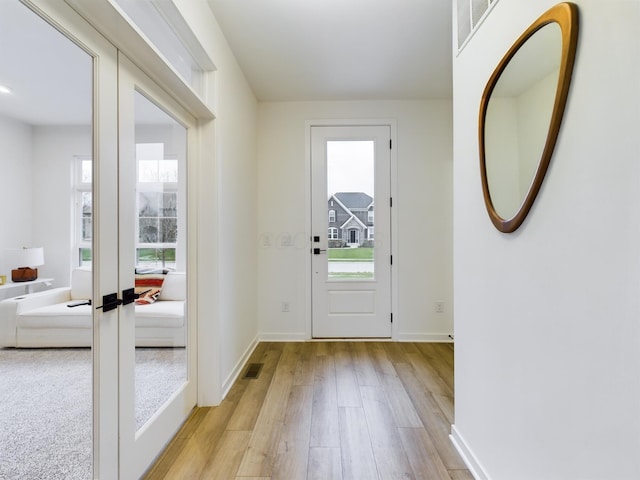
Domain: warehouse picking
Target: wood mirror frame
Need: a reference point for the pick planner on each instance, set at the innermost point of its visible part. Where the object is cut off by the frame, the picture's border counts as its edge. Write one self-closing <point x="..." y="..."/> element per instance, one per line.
<point x="566" y="16"/>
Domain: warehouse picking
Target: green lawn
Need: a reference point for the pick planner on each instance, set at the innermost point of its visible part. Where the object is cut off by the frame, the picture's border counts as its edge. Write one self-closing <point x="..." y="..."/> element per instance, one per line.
<point x="362" y="254"/>
<point x="351" y="275"/>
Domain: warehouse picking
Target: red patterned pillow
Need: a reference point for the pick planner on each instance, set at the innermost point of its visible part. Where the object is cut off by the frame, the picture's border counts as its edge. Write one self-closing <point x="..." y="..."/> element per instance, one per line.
<point x="148" y="287"/>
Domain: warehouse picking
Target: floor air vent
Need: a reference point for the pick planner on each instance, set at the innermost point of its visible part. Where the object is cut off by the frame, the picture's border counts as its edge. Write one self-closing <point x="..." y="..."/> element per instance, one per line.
<point x="253" y="371"/>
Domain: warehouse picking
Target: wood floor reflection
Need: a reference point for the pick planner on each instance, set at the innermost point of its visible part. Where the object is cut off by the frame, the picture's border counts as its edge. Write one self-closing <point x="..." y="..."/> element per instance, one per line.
<point x="330" y="411"/>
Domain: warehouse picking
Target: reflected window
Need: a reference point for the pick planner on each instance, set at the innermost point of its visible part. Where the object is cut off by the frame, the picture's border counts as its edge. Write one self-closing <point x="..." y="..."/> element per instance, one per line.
<point x="83" y="208"/>
<point x="157" y="207"/>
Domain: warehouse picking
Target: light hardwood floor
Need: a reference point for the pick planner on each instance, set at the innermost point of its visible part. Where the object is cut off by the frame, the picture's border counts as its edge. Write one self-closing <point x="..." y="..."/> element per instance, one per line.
<point x="327" y="411"/>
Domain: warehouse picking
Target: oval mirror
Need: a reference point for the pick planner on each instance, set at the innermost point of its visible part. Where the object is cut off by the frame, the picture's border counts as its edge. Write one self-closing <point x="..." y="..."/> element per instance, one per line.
<point x="521" y="112"/>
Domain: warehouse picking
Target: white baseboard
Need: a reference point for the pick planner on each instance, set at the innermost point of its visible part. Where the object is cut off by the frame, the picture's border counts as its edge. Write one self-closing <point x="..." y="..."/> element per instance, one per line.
<point x="403" y="337"/>
<point x="425" y="337"/>
<point x="283" y="337"/>
<point x="467" y="455"/>
<point x="237" y="370"/>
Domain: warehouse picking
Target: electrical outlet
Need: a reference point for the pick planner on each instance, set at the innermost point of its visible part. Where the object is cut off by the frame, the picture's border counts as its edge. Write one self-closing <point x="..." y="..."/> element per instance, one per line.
<point x="439" y="307"/>
<point x="286" y="307"/>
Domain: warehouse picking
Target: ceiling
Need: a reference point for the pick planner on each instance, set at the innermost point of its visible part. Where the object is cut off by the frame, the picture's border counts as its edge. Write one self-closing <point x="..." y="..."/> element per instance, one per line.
<point x="50" y="77"/>
<point x="288" y="50"/>
<point x="340" y="49"/>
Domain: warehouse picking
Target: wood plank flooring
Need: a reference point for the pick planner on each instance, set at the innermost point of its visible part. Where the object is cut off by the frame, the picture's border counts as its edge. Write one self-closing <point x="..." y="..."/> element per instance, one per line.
<point x="327" y="411"/>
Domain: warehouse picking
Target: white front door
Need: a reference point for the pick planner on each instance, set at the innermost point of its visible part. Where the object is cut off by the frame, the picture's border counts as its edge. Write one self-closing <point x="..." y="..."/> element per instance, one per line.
<point x="351" y="231"/>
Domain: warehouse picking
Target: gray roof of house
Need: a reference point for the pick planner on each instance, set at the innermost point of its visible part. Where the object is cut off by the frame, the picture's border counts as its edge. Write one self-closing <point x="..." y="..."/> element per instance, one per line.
<point x="354" y="199"/>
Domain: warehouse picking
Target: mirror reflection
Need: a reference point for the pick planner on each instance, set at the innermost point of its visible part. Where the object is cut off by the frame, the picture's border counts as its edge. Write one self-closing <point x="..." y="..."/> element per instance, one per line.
<point x="518" y="117"/>
<point x="521" y="112"/>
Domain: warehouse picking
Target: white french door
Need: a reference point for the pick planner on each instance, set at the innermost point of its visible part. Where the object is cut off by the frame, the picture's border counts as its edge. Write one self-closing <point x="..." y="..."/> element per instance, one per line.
<point x="106" y="125"/>
<point x="156" y="375"/>
<point x="351" y="231"/>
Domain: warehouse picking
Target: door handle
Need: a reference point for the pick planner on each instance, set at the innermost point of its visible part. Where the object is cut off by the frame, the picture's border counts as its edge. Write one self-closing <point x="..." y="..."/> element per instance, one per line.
<point x="110" y="302"/>
<point x="78" y="303"/>
<point x="318" y="251"/>
<point x="129" y="296"/>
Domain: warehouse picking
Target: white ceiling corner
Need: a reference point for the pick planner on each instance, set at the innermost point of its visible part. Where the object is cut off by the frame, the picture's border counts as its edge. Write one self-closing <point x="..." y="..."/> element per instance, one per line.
<point x="341" y="49"/>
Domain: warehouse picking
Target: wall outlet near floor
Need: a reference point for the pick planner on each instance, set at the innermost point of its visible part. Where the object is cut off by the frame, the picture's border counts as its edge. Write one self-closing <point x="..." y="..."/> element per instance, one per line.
<point x="439" y="307"/>
<point x="286" y="307"/>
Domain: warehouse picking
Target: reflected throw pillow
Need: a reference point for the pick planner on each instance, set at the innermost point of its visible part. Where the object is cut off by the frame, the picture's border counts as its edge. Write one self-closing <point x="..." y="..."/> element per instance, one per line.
<point x="148" y="288"/>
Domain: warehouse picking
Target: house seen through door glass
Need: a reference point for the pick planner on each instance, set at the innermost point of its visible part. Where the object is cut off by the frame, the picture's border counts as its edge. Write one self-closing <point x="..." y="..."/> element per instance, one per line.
<point x="350" y="192"/>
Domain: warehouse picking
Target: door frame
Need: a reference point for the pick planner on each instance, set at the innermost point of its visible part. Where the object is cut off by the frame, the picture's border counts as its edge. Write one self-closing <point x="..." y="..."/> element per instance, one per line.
<point x="365" y="122"/>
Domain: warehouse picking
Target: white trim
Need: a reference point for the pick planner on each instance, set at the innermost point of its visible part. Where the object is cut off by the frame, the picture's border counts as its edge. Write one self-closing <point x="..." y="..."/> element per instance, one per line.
<point x="393" y="178"/>
<point x="344" y="225"/>
<point x="284" y="337"/>
<point x="344" y="207"/>
<point x="111" y="21"/>
<point x="307" y="222"/>
<point x="474" y="28"/>
<point x="467" y="455"/>
<point x="172" y="15"/>
<point x="425" y="337"/>
<point x="237" y="369"/>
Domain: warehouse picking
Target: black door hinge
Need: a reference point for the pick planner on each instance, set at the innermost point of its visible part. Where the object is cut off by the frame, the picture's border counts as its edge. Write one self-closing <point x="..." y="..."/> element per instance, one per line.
<point x="391" y="317"/>
<point x="390" y="144"/>
<point x="391" y="259"/>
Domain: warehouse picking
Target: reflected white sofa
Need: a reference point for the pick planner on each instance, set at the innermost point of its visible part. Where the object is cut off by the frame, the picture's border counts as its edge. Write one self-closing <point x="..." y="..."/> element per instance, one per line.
<point x="44" y="320"/>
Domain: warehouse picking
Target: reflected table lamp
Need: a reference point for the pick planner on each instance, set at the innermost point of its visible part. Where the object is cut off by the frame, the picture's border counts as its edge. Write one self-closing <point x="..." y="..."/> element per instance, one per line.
<point x="25" y="259"/>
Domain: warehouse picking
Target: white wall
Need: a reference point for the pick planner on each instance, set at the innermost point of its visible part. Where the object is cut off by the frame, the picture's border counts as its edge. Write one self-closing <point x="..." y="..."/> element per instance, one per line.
<point x="422" y="204"/>
<point x="547" y="318"/>
<point x="16" y="187"/>
<point x="227" y="218"/>
<point x="54" y="149"/>
<point x="36" y="185"/>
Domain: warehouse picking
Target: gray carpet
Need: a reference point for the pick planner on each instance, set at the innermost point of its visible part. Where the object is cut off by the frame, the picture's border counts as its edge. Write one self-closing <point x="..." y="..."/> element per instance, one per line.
<point x="46" y="413"/>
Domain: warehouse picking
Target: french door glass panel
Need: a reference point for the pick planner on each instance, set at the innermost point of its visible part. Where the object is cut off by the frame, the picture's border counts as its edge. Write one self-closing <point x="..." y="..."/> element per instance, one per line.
<point x="156" y="391"/>
<point x="160" y="157"/>
<point x="46" y="124"/>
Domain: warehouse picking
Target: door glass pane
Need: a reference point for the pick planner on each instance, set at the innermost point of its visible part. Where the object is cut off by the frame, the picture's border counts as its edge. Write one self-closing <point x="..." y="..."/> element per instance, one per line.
<point x="45" y="347"/>
<point x="161" y="257"/>
<point x="350" y="209"/>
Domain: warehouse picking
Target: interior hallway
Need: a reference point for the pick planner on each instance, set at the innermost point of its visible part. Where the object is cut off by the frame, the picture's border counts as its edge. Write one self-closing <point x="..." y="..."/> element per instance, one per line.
<point x="330" y="411"/>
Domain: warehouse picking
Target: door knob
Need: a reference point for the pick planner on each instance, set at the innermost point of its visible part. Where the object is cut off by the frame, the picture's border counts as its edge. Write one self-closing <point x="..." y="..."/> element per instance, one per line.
<point x="318" y="251"/>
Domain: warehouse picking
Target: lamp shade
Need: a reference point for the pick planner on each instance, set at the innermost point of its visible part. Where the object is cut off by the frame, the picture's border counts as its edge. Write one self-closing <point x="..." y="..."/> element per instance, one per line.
<point x="25" y="257"/>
